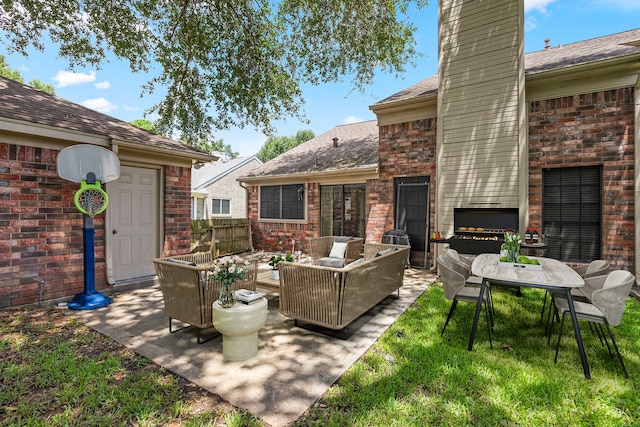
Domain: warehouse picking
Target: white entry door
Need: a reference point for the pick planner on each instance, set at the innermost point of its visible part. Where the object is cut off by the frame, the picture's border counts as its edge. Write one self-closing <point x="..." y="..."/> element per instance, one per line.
<point x="135" y="215"/>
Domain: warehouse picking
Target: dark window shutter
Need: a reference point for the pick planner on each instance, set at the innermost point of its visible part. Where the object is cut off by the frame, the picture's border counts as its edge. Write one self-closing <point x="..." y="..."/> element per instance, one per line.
<point x="571" y="212"/>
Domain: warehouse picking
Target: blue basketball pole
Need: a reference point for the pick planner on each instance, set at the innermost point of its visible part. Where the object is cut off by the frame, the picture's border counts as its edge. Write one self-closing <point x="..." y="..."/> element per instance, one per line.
<point x="90" y="299"/>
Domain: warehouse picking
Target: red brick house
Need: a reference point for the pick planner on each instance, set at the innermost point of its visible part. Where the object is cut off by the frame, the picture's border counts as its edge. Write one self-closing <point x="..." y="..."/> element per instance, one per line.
<point x="541" y="127"/>
<point x="338" y="167"/>
<point x="41" y="247"/>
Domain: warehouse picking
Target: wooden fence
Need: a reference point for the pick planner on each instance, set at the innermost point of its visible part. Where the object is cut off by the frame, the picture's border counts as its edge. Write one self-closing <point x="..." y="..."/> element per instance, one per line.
<point x="221" y="236"/>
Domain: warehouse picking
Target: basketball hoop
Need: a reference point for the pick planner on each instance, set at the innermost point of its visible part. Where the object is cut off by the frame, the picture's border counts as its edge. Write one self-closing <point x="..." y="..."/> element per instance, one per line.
<point x="90" y="166"/>
<point x="90" y="199"/>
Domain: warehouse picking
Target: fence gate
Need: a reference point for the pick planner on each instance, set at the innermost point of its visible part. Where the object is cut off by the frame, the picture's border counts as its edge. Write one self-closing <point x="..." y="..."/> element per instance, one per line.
<point x="221" y="236"/>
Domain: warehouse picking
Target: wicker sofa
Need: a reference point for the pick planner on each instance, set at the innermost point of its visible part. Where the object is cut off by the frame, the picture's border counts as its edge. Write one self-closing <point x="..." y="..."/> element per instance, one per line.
<point x="188" y="295"/>
<point x="335" y="297"/>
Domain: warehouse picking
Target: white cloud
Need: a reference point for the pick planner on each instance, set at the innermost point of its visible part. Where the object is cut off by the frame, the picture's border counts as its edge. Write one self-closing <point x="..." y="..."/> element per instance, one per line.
<point x="530" y="23"/>
<point x="351" y="119"/>
<point x="130" y="108"/>
<point x="539" y="5"/>
<point x="65" y="78"/>
<point x="103" y="85"/>
<point x="99" y="104"/>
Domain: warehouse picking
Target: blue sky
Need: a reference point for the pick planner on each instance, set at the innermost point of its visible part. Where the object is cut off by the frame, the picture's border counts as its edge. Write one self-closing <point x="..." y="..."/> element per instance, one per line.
<point x="114" y="90"/>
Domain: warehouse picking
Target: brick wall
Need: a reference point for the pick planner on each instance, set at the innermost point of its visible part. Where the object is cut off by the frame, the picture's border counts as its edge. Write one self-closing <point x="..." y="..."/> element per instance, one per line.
<point x="177" y="211"/>
<point x="406" y="150"/>
<point x="585" y="130"/>
<point x="41" y="234"/>
<point x="40" y="229"/>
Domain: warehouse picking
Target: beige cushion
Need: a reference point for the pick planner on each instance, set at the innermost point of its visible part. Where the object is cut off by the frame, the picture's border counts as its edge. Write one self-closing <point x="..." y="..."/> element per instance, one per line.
<point x="337" y="250"/>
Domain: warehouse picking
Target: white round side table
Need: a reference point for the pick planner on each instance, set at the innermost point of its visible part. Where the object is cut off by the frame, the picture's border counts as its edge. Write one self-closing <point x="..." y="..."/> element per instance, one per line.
<point x="239" y="327"/>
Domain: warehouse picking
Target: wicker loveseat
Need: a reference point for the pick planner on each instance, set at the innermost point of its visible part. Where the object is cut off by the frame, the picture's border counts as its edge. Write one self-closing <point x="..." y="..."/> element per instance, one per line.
<point x="188" y="295"/>
<point x="335" y="297"/>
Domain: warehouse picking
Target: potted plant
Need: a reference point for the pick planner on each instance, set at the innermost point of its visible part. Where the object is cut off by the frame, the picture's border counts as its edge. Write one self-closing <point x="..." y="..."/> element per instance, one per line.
<point x="273" y="262"/>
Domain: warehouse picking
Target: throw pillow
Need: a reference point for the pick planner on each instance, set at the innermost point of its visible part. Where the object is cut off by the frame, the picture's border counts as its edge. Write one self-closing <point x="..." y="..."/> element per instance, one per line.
<point x="181" y="261"/>
<point x="342" y="239"/>
<point x="384" y="252"/>
<point x="337" y="250"/>
<point x="356" y="262"/>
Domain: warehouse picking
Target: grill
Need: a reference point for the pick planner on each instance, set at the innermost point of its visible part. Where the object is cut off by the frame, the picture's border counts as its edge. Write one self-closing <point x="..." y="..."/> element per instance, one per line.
<point x="479" y="230"/>
<point x="396" y="237"/>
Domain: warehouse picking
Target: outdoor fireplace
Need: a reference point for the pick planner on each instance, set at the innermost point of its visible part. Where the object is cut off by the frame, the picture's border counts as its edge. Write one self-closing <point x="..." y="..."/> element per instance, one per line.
<point x="481" y="230"/>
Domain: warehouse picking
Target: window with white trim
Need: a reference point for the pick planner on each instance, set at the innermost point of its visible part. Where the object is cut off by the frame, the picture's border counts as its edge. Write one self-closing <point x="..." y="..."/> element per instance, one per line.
<point x="220" y="207"/>
<point x="197" y="208"/>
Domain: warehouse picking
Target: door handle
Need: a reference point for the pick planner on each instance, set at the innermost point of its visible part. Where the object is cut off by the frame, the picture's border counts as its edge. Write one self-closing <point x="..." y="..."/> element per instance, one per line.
<point x="114" y="232"/>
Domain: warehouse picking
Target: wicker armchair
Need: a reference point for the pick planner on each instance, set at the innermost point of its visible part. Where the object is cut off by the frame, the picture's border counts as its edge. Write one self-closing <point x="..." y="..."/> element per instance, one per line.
<point x="188" y="294"/>
<point x="321" y="248"/>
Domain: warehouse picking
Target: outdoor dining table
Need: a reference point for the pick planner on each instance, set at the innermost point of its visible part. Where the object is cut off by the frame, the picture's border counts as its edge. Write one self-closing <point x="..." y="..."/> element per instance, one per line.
<point x="554" y="276"/>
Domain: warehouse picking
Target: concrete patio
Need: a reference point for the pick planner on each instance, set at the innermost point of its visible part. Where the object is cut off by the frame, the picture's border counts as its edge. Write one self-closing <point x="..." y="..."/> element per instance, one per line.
<point x="294" y="366"/>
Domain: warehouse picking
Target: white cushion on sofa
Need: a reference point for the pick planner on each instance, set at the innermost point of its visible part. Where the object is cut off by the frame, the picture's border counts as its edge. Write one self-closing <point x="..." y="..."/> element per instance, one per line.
<point x="337" y="250"/>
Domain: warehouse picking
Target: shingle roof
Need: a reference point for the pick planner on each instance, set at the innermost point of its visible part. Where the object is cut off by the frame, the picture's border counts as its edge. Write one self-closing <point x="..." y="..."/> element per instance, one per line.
<point x="25" y="103"/>
<point x="357" y="149"/>
<point x="214" y="171"/>
<point x="583" y="52"/>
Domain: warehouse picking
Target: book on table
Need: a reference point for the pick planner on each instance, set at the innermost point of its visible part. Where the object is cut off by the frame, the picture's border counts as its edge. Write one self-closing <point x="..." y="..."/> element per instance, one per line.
<point x="246" y="296"/>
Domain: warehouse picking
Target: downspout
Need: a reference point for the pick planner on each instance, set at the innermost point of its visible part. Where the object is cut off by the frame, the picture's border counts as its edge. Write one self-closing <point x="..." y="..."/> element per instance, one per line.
<point x="636" y="173"/>
<point x="108" y="227"/>
<point x="246" y="212"/>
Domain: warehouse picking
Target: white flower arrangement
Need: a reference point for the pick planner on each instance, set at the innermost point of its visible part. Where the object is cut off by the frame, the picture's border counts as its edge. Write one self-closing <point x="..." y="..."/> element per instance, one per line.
<point x="510" y="249"/>
<point x="230" y="269"/>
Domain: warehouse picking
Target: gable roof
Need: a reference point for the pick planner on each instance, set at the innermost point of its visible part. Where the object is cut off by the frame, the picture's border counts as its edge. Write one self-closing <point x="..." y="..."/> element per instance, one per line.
<point x="22" y="103"/>
<point x="357" y="150"/>
<point x="613" y="46"/>
<point x="211" y="172"/>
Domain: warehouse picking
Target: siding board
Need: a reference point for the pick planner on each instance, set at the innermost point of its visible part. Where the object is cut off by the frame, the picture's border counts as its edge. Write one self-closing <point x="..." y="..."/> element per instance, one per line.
<point x="479" y="129"/>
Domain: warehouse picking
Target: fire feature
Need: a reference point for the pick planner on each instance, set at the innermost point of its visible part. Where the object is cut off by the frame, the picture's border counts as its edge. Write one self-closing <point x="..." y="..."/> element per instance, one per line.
<point x="479" y="230"/>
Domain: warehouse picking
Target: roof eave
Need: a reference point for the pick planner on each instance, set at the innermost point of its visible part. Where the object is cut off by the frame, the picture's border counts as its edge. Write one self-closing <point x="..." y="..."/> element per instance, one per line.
<point x="193" y="156"/>
<point x="403" y="104"/>
<point x="619" y="62"/>
<point x="350" y="175"/>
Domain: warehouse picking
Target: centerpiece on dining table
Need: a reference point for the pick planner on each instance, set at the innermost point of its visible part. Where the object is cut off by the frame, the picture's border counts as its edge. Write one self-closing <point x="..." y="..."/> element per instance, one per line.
<point x="228" y="270"/>
<point x="510" y="254"/>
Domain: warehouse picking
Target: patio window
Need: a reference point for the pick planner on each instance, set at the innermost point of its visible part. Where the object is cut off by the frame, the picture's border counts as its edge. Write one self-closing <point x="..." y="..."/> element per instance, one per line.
<point x="282" y="202"/>
<point x="220" y="207"/>
<point x="343" y="210"/>
<point x="571" y="213"/>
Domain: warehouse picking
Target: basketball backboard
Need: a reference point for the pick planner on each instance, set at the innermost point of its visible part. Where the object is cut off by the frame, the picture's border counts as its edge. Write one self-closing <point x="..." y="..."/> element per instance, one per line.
<point x="75" y="162"/>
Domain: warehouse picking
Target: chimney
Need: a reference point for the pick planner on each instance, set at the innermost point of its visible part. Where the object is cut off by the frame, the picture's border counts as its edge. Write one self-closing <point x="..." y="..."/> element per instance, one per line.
<point x="547" y="43"/>
<point x="335" y="142"/>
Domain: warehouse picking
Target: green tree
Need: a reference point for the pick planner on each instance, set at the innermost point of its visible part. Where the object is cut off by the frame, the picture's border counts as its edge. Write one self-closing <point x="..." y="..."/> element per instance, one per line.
<point x="6" y="71"/>
<point x="211" y="145"/>
<point x="276" y="145"/>
<point x="223" y="64"/>
<point x="145" y="124"/>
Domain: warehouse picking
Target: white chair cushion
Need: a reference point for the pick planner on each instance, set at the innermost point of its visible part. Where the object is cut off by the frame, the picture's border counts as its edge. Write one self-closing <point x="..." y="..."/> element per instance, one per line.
<point x="337" y="250"/>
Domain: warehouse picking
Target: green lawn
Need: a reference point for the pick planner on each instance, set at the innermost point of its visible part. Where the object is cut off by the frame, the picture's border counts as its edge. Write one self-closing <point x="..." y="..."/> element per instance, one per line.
<point x="56" y="371"/>
<point x="413" y="376"/>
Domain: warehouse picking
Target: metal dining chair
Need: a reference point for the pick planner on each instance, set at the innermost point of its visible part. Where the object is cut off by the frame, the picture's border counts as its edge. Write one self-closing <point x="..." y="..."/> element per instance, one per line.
<point x="466" y="262"/>
<point x="456" y="289"/>
<point x="595" y="268"/>
<point x="606" y="308"/>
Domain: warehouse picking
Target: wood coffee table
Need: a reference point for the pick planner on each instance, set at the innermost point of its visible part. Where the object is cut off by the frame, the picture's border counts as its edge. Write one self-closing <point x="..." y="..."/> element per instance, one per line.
<point x="265" y="281"/>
